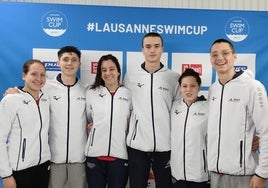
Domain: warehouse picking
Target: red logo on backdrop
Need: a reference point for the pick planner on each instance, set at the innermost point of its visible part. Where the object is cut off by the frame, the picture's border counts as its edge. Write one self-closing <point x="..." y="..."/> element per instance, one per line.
<point x="94" y="66"/>
<point x="196" y="67"/>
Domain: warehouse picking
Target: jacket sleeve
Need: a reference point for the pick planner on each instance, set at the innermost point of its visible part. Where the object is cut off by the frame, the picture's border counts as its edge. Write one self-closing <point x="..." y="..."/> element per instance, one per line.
<point x="88" y="106"/>
<point x="7" y="113"/>
<point x="126" y="80"/>
<point x="259" y="108"/>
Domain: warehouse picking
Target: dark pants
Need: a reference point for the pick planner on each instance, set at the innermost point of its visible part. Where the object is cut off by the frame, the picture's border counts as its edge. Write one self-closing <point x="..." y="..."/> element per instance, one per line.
<point x="139" y="167"/>
<point x="100" y="173"/>
<point x="33" y="177"/>
<point x="190" y="184"/>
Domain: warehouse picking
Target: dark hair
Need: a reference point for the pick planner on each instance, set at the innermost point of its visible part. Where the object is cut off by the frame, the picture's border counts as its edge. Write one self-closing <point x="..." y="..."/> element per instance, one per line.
<point x="152" y="34"/>
<point x="98" y="80"/>
<point x="225" y="41"/>
<point x="69" y="49"/>
<point x="190" y="72"/>
<point x="28" y="63"/>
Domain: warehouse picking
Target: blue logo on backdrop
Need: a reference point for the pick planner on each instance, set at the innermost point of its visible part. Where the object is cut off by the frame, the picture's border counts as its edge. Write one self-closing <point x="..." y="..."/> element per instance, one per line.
<point x="51" y="66"/>
<point x="237" y="29"/>
<point x="241" y="67"/>
<point x="54" y="23"/>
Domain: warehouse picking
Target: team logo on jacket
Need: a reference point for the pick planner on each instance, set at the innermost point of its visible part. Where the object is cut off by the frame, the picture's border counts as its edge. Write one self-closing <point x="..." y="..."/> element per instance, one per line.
<point x="177" y="112"/>
<point x="81" y="98"/>
<point x="26" y="102"/>
<point x="234" y="100"/>
<point x="44" y="100"/>
<point x="102" y="95"/>
<point x="140" y="85"/>
<point x="163" y="88"/>
<point x="199" y="114"/>
<point x="123" y="98"/>
<point x="56" y="98"/>
<point x="213" y="98"/>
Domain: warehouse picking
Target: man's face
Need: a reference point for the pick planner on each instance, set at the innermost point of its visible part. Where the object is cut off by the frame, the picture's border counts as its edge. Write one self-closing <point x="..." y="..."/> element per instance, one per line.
<point x="69" y="63"/>
<point x="152" y="49"/>
<point x="222" y="57"/>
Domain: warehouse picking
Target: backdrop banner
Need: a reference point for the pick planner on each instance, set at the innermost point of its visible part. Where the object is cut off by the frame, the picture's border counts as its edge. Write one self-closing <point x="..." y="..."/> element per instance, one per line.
<point x="38" y="30"/>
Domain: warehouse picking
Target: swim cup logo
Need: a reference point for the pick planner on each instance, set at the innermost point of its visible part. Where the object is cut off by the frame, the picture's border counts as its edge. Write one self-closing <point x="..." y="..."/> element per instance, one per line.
<point x="237" y="29"/>
<point x="54" y="23"/>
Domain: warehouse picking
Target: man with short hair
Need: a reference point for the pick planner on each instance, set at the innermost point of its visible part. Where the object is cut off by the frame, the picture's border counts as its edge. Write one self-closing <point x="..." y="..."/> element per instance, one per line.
<point x="238" y="111"/>
<point x="153" y="88"/>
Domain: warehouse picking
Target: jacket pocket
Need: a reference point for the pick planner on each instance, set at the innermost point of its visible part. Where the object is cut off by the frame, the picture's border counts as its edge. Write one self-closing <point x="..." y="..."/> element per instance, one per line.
<point x="92" y="137"/>
<point x="134" y="132"/>
<point x="241" y="154"/>
<point x="204" y="161"/>
<point x="23" y="149"/>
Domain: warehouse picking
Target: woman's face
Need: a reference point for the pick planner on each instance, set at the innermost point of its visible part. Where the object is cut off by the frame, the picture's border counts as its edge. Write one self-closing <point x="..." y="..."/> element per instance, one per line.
<point x="189" y="89"/>
<point x="109" y="73"/>
<point x="35" y="78"/>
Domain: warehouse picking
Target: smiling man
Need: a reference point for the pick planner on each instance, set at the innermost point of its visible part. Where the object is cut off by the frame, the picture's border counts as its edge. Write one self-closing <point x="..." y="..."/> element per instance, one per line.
<point x="238" y="111"/>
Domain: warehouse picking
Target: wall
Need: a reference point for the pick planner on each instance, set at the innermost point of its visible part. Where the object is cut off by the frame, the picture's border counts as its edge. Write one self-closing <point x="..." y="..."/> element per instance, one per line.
<point x="200" y="4"/>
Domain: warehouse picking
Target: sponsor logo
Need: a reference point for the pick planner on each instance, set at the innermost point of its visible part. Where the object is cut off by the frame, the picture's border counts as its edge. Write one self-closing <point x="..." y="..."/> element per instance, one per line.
<point x="123" y="98"/>
<point x="51" y="66"/>
<point x="163" y="88"/>
<point x="54" y="23"/>
<point x="237" y="29"/>
<point x="56" y="98"/>
<point x="94" y="66"/>
<point x="81" y="98"/>
<point x="140" y="85"/>
<point x="26" y="102"/>
<point x="177" y="112"/>
<point x="199" y="114"/>
<point x="239" y="68"/>
<point x="233" y="100"/>
<point x="102" y="95"/>
<point x="196" y="67"/>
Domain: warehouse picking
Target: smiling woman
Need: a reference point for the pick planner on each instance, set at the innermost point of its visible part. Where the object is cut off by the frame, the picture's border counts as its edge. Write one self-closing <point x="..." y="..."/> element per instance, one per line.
<point x="24" y="117"/>
<point x="108" y="110"/>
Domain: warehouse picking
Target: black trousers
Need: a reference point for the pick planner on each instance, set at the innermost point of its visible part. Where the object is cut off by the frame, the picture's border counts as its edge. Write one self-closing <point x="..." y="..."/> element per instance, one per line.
<point x="33" y="177"/>
<point x="140" y="162"/>
<point x="102" y="174"/>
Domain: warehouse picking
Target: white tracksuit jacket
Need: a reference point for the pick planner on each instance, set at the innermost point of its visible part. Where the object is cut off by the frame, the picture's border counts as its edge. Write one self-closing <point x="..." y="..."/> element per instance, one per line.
<point x="67" y="132"/>
<point x="152" y="97"/>
<point x="238" y="110"/>
<point x="23" y="132"/>
<point x="188" y="140"/>
<point x="110" y="115"/>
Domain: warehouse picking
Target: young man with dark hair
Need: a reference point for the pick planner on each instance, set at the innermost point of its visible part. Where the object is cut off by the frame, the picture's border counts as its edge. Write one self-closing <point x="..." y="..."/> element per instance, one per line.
<point x="238" y="111"/>
<point x="153" y="87"/>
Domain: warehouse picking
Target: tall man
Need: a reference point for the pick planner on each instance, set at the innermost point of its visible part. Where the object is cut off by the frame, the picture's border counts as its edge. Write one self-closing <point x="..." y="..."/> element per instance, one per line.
<point x="153" y="88"/>
<point x="238" y="111"/>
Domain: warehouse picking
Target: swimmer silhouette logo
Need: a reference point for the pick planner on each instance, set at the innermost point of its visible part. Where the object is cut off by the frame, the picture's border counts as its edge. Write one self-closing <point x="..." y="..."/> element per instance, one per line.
<point x="237" y="29"/>
<point x="54" y="23"/>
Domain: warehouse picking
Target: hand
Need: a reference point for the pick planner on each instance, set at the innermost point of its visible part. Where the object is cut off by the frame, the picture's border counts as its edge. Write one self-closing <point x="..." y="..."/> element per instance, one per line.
<point x="11" y="90"/>
<point x="9" y="182"/>
<point x="89" y="126"/>
<point x="257" y="182"/>
<point x="255" y="143"/>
